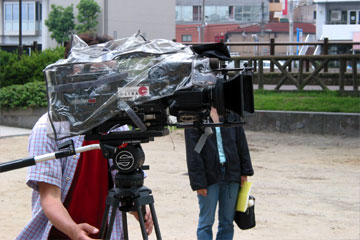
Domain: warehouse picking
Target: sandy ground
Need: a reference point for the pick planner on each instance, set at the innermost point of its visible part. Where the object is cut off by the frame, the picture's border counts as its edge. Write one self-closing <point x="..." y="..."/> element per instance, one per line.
<point x="306" y="187"/>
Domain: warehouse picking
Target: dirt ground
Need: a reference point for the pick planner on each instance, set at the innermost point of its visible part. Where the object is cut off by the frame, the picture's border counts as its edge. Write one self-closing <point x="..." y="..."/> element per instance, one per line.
<point x="306" y="187"/>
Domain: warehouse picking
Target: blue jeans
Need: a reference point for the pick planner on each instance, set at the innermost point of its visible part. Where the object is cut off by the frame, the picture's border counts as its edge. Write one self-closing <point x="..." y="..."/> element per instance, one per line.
<point x="226" y="194"/>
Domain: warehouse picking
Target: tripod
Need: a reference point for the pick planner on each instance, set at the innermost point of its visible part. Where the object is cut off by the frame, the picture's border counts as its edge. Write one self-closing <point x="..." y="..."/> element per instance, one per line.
<point x="129" y="195"/>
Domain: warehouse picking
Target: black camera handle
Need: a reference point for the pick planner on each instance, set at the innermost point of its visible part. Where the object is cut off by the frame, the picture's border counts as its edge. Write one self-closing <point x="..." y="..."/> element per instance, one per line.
<point x="65" y="149"/>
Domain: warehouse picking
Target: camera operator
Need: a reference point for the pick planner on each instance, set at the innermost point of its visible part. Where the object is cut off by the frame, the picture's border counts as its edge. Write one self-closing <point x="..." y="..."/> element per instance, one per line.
<point x="69" y="194"/>
<point x="216" y="173"/>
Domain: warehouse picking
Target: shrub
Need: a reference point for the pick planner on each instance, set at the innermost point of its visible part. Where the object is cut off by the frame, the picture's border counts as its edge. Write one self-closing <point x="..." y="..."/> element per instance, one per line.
<point x="28" y="68"/>
<point x="6" y="59"/>
<point x="31" y="94"/>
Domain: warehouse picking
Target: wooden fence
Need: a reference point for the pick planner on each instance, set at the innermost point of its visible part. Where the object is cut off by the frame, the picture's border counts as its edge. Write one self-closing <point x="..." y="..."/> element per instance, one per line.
<point x="297" y="77"/>
<point x="312" y="64"/>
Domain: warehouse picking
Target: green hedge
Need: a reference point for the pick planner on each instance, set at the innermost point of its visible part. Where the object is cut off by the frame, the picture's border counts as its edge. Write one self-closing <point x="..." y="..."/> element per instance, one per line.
<point x="31" y="94"/>
<point x="28" y="68"/>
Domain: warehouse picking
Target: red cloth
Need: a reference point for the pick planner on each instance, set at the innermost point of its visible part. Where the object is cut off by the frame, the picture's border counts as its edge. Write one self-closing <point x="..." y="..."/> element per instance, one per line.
<point x="85" y="201"/>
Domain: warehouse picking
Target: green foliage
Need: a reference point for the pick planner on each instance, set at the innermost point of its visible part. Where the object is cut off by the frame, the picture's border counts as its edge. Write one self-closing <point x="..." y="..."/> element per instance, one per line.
<point x="60" y="23"/>
<point x="6" y="59"/>
<point x="314" y="101"/>
<point x="28" y="68"/>
<point x="31" y="94"/>
<point x="88" y="12"/>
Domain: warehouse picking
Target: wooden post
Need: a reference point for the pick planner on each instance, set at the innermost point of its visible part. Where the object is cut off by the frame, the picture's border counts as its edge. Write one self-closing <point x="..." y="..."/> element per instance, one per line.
<point x="354" y="75"/>
<point x="237" y="63"/>
<point x="342" y="75"/>
<point x="272" y="52"/>
<point x="261" y="75"/>
<point x="326" y="51"/>
<point x="255" y="65"/>
<point x="35" y="46"/>
<point x="307" y="65"/>
<point x="301" y="71"/>
<point x="289" y="67"/>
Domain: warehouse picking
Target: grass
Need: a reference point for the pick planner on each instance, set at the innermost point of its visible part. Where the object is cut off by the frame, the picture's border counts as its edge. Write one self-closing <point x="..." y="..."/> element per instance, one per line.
<point x="314" y="101"/>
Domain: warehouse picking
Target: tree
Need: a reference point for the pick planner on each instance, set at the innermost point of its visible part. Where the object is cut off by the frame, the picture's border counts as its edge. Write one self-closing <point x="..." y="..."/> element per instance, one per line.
<point x="88" y="12"/>
<point x="60" y="22"/>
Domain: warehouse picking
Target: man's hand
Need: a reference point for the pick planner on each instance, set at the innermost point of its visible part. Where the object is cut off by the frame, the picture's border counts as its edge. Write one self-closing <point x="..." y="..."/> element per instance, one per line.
<point x="149" y="224"/>
<point x="82" y="231"/>
<point x="202" y="192"/>
<point x="50" y="198"/>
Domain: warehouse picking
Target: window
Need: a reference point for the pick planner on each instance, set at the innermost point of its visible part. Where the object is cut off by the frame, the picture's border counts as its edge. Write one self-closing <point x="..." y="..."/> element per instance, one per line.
<point x="197" y="13"/>
<point x="11" y="17"/>
<point x="248" y="13"/>
<point x="337" y="17"/>
<point x="186" y="38"/>
<point x="217" y="13"/>
<point x="38" y="11"/>
<point x="231" y="12"/>
<point x="343" y="17"/>
<point x="184" y="13"/>
<point x="352" y="17"/>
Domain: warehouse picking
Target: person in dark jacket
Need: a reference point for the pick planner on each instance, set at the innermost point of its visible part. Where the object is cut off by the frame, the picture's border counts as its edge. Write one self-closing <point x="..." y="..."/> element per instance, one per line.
<point x="216" y="174"/>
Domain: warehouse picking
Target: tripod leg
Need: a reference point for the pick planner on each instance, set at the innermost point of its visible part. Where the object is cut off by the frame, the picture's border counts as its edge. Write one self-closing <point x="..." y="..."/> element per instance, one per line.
<point x="155" y="220"/>
<point x="142" y="222"/>
<point x="110" y="201"/>
<point x="124" y="224"/>
<point x="104" y="221"/>
<point x="112" y="219"/>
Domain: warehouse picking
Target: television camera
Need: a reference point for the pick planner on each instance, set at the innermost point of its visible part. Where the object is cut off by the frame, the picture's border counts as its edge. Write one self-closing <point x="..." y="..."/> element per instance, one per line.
<point x="138" y="83"/>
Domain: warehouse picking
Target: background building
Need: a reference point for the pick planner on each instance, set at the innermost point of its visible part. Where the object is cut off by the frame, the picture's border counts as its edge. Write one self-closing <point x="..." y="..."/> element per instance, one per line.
<point x="219" y="17"/>
<point x="118" y="18"/>
<point x="337" y="19"/>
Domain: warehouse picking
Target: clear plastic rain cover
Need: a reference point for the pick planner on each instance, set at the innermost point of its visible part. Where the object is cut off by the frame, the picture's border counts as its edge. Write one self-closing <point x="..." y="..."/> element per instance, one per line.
<point x="96" y="82"/>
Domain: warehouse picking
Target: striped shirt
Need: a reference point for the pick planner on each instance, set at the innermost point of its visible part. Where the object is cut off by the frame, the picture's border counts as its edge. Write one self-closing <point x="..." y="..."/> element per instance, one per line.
<point x="58" y="172"/>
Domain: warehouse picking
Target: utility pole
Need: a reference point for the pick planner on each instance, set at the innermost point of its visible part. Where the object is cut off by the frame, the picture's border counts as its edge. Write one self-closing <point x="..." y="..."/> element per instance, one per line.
<point x="20" y="48"/>
<point x="262" y="26"/>
<point x="45" y="29"/>
<point x="291" y="25"/>
<point x="202" y="27"/>
<point x="106" y="17"/>
<point x="262" y="21"/>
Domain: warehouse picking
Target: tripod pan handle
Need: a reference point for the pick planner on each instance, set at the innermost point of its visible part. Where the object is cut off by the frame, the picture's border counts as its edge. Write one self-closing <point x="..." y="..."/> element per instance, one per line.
<point x="16" y="164"/>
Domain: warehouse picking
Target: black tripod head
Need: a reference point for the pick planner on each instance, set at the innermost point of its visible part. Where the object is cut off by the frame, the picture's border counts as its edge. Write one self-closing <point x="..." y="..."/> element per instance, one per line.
<point x="127" y="154"/>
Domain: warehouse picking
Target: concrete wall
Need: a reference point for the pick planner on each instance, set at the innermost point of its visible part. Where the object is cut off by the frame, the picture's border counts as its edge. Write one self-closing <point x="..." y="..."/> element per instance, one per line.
<point x="347" y="124"/>
<point x="268" y="121"/>
<point x="20" y="117"/>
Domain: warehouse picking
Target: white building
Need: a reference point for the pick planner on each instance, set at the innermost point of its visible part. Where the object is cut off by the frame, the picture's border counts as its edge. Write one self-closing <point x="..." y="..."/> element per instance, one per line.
<point x="118" y="18"/>
<point x="337" y="19"/>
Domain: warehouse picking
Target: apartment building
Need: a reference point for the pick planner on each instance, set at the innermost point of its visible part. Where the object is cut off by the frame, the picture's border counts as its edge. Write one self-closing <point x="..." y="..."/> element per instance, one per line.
<point x="118" y="18"/>
<point x="337" y="19"/>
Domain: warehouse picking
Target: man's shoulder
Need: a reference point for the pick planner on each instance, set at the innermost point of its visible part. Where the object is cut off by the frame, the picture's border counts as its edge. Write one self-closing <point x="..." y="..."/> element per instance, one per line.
<point x="42" y="121"/>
